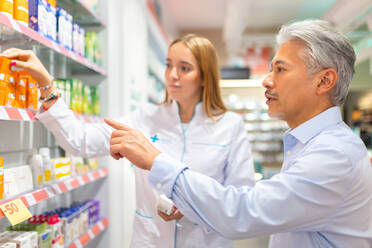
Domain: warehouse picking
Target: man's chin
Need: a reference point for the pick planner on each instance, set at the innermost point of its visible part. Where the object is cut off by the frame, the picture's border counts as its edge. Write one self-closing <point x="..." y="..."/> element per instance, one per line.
<point x="276" y="115"/>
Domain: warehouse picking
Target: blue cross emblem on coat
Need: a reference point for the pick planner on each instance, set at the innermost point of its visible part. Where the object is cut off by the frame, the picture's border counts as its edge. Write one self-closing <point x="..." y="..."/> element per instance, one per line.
<point x="155" y="138"/>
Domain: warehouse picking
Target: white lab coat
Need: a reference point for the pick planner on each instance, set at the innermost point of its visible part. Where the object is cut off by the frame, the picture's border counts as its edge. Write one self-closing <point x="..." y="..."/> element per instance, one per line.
<point x="217" y="149"/>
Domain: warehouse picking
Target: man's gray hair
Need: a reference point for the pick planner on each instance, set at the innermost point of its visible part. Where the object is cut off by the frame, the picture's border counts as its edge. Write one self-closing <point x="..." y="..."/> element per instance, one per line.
<point x="326" y="48"/>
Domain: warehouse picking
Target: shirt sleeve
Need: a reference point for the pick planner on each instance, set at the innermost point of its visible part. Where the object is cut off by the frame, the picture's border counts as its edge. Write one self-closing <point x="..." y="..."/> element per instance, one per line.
<point x="239" y="170"/>
<point x="77" y="137"/>
<point x="304" y="198"/>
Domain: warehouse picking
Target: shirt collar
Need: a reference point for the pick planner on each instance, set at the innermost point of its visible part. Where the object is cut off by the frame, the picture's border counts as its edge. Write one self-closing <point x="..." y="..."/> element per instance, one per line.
<point x="198" y="111"/>
<point x="315" y="125"/>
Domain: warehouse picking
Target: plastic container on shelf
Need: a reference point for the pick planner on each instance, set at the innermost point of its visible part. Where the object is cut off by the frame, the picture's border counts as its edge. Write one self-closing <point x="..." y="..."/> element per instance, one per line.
<point x="47" y="165"/>
<point x="36" y="164"/>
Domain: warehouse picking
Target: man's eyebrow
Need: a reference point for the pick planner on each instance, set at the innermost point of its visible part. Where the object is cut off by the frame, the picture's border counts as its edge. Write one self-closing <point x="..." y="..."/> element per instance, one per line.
<point x="280" y="62"/>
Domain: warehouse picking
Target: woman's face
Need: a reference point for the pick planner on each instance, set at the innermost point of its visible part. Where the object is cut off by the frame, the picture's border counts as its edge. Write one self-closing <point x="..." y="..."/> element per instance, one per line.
<point x="182" y="75"/>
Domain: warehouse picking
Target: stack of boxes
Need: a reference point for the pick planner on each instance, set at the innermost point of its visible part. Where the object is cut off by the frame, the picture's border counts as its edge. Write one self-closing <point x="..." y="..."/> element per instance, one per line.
<point x="82" y="99"/>
<point x="17" y="88"/>
<point x="53" y="229"/>
<point x="55" y="23"/>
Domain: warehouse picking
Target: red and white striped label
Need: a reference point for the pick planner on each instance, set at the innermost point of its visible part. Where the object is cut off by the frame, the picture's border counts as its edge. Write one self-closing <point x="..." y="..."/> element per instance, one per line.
<point x="50" y="191"/>
<point x="92" y="233"/>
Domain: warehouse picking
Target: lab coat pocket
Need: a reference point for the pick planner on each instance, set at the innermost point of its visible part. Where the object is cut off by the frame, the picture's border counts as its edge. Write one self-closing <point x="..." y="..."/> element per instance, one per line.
<point x="144" y="230"/>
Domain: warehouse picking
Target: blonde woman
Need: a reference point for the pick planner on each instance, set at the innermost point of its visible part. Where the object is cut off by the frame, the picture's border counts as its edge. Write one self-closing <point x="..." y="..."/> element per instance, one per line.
<point x="192" y="125"/>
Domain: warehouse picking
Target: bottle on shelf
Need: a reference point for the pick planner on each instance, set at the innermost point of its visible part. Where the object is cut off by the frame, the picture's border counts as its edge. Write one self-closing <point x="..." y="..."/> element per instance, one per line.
<point x="36" y="164"/>
<point x="47" y="165"/>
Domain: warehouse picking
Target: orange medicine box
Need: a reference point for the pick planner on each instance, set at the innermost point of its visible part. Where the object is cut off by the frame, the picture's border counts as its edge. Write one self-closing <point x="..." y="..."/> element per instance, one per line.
<point x="3" y="89"/>
<point x="21" y="84"/>
<point x="20" y="11"/>
<point x="6" y="7"/>
<point x="32" y="94"/>
<point x="11" y="80"/>
<point x="4" y="74"/>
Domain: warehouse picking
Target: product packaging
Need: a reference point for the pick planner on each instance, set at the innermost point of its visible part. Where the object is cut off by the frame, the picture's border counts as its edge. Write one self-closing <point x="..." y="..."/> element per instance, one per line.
<point x="20" y="11"/>
<point x="6" y="7"/>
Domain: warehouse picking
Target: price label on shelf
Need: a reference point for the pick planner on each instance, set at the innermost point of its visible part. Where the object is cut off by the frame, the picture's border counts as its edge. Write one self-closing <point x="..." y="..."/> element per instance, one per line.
<point x="15" y="211"/>
<point x="24" y="114"/>
<point x="55" y="46"/>
<point x="3" y="114"/>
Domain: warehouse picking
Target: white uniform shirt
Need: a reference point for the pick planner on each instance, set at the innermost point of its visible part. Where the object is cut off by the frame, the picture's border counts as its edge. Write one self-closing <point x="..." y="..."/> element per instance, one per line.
<point x="217" y="149"/>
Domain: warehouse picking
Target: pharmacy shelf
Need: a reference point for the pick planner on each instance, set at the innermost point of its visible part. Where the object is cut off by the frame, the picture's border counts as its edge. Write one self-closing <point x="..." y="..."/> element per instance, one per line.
<point x="92" y="233"/>
<point x="20" y="114"/>
<point x="160" y="36"/>
<point x="39" y="195"/>
<point x="11" y="29"/>
<point x="82" y="13"/>
<point x="16" y="114"/>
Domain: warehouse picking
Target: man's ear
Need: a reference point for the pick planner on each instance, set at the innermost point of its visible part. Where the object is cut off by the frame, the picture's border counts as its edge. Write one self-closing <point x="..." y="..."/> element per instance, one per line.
<point x="327" y="79"/>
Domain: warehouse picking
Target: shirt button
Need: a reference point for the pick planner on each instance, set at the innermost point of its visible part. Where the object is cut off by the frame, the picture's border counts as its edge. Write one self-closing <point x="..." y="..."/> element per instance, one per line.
<point x="158" y="185"/>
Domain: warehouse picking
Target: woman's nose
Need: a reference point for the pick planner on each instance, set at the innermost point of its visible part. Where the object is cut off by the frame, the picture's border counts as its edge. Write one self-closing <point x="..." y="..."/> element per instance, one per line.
<point x="174" y="73"/>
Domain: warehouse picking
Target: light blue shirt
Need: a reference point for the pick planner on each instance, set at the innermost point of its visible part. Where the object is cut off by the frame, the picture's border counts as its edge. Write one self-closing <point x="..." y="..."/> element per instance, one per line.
<point x="321" y="198"/>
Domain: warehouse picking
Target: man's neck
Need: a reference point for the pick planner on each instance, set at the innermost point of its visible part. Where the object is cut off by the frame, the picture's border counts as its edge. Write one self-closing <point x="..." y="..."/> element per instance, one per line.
<point x="308" y="114"/>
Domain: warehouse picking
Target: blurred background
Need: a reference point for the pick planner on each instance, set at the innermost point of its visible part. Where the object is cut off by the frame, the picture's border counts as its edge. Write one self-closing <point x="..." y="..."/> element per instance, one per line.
<point x="109" y="57"/>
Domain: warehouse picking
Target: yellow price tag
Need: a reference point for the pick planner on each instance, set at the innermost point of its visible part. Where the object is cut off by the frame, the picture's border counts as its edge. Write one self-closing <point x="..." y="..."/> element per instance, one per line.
<point x="15" y="211"/>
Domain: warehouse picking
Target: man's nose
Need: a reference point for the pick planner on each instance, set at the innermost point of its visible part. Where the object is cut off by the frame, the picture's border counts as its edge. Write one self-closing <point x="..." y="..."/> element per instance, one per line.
<point x="267" y="82"/>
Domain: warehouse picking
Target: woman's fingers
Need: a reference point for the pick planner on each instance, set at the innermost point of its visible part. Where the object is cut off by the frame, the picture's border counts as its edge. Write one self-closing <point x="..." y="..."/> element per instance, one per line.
<point x="15" y="53"/>
<point x="20" y="64"/>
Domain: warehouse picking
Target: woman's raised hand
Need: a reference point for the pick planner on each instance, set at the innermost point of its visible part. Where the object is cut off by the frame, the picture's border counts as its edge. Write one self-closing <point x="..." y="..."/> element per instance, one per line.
<point x="27" y="60"/>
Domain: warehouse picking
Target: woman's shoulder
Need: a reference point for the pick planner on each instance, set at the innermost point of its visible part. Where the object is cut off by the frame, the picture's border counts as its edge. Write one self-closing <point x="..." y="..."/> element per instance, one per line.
<point x="150" y="109"/>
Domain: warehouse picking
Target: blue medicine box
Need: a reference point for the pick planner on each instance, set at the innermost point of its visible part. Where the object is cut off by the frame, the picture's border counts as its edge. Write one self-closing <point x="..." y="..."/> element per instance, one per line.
<point x="38" y="20"/>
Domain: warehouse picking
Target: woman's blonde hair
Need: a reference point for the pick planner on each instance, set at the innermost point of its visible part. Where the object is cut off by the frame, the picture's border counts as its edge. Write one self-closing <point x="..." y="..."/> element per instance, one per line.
<point x="205" y="53"/>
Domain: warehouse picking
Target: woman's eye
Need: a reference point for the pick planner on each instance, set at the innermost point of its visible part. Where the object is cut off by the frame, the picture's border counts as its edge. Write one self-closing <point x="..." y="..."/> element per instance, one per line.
<point x="184" y="68"/>
<point x="167" y="65"/>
